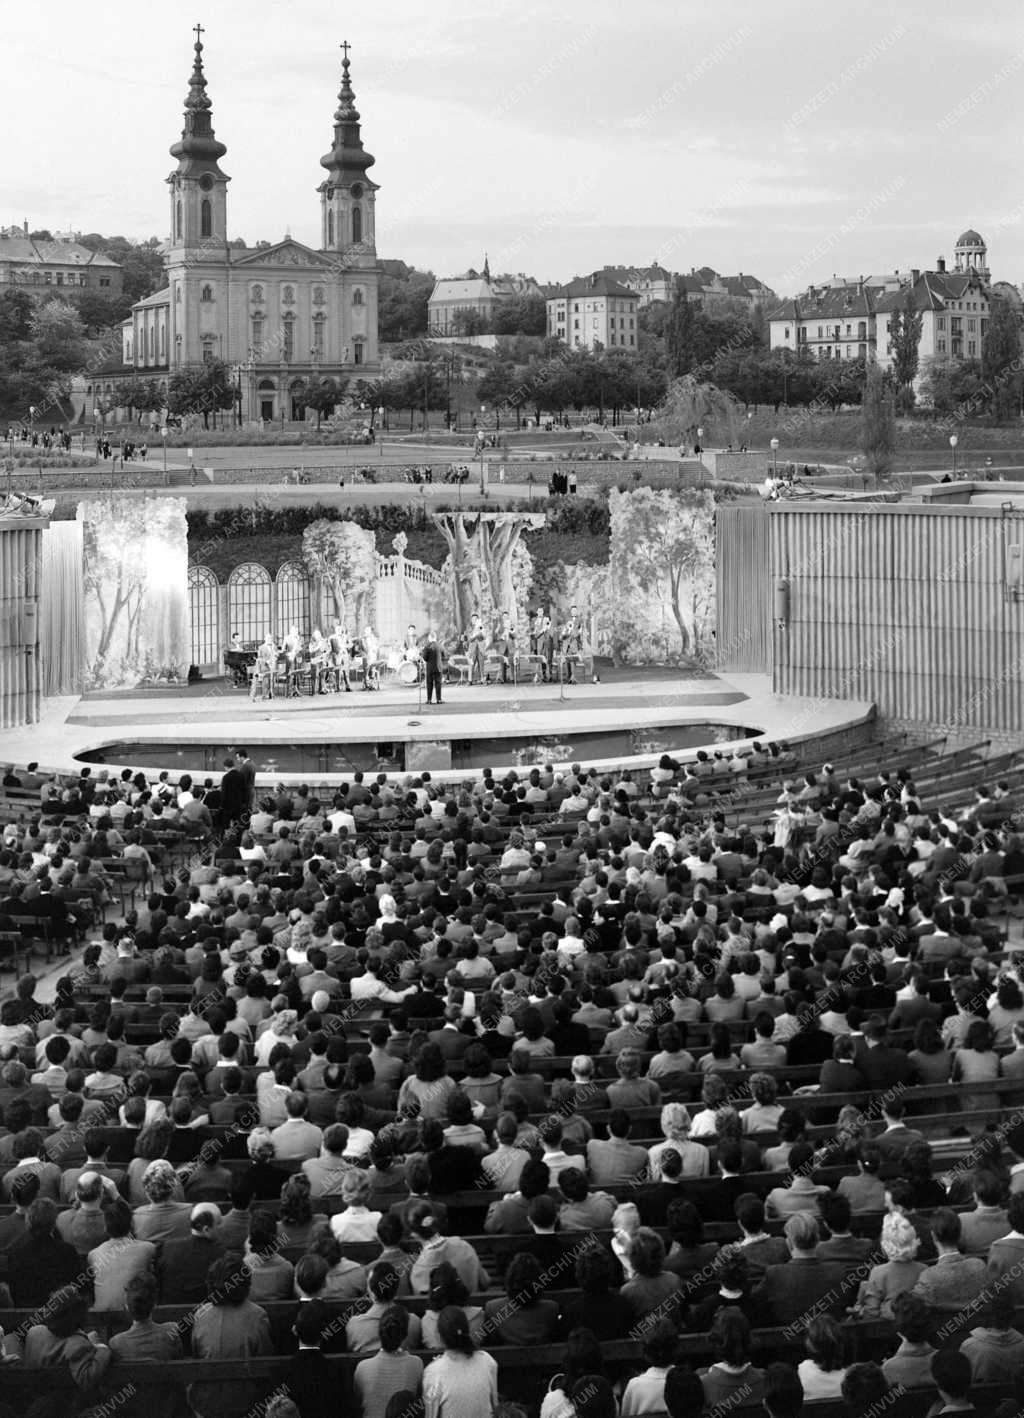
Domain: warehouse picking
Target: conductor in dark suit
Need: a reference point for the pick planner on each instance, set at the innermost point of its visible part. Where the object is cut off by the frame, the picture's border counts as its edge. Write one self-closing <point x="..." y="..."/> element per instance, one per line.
<point x="233" y="791"/>
<point x="433" y="663"/>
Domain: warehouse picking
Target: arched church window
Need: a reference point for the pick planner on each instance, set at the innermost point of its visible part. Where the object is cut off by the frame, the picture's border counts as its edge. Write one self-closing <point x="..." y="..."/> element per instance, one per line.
<point x="357" y="297"/>
<point x="357" y="223"/>
<point x="208" y="349"/>
<point x="319" y="322"/>
<point x="163" y="343"/>
<point x="257" y="293"/>
<point x="177" y="221"/>
<point x="207" y="293"/>
<point x="357" y="349"/>
<point x="205" y="218"/>
<point x="288" y="295"/>
<point x="330" y="228"/>
<point x="289" y="337"/>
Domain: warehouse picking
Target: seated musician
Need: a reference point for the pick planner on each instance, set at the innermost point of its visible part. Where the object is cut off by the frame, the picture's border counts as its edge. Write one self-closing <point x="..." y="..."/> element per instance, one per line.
<point x="411" y="646"/>
<point x="235" y="658"/>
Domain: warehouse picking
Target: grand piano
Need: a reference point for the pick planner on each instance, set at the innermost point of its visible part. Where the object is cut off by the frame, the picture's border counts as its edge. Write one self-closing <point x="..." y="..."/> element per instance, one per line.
<point x="238" y="664"/>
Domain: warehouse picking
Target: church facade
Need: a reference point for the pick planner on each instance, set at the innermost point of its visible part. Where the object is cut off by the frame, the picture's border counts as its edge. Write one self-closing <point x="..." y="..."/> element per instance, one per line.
<point x="280" y="315"/>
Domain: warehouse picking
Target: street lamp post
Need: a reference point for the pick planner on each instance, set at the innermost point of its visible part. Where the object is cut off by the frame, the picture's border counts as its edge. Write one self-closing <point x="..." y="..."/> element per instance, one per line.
<point x="953" y="441"/>
<point x="700" y="440"/>
<point x="380" y="429"/>
<point x="163" y="435"/>
<point x="774" y="446"/>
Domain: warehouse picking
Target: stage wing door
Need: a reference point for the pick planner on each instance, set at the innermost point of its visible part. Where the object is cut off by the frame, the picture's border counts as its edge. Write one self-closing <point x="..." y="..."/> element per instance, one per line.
<point x="250" y="595"/>
<point x="204" y="617"/>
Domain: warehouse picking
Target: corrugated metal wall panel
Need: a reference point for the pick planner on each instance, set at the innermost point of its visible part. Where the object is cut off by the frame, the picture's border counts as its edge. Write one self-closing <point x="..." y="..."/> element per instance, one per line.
<point x="20" y="679"/>
<point x="903" y="606"/>
<point x="743" y="589"/>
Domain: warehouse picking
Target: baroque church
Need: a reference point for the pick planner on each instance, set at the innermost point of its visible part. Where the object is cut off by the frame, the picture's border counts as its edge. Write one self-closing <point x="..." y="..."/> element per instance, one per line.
<point x="278" y="315"/>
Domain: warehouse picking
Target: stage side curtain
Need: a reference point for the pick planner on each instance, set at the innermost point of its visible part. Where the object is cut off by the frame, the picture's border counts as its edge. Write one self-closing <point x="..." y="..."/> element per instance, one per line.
<point x="63" y="622"/>
<point x="744" y="593"/>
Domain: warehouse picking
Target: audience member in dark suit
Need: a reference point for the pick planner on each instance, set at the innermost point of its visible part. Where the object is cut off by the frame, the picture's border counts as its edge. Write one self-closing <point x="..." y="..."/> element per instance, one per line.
<point x="40" y="1262"/>
<point x="882" y="1066"/>
<point x="732" y="1280"/>
<point x="841" y="1245"/>
<point x="804" y="1283"/>
<point x="568" y="1038"/>
<point x="318" y="1388"/>
<point x="184" y="1263"/>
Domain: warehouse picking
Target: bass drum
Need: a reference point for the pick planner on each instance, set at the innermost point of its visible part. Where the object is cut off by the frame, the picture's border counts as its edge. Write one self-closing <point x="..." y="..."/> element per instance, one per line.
<point x="409" y="671"/>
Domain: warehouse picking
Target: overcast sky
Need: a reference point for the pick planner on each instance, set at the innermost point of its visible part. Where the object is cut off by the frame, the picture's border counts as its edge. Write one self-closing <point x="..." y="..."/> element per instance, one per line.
<point x="791" y="139"/>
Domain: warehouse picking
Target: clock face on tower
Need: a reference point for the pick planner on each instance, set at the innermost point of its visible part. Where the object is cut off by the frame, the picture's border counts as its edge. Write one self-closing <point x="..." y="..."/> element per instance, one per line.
<point x="206" y="182"/>
<point x="357" y="190"/>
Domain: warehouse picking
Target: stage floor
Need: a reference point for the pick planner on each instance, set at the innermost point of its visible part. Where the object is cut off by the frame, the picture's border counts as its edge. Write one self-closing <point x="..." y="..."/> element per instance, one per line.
<point x="744" y="704"/>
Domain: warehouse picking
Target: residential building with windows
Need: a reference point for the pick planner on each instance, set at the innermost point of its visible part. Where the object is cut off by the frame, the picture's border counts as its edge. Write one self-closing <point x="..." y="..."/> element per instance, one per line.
<point x="853" y="319"/>
<point x="705" y="286"/>
<point x="651" y="283"/>
<point x="594" y="310"/>
<point x="55" y="267"/>
<point x="454" y="298"/>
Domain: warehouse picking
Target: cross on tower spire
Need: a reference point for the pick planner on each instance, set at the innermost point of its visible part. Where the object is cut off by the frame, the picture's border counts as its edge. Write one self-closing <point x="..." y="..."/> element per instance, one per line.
<point x="344" y="46"/>
<point x="198" y="31"/>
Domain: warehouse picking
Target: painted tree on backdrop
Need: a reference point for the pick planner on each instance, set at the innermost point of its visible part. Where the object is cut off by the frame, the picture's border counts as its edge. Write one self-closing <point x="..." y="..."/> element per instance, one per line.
<point x="483" y="558"/>
<point x="341" y="557"/>
<point x="662" y="551"/>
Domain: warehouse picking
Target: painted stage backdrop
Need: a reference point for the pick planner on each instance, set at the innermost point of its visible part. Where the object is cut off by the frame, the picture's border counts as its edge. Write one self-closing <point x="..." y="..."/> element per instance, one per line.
<point x="649" y="600"/>
<point x="662" y="571"/>
<point x="135" y="573"/>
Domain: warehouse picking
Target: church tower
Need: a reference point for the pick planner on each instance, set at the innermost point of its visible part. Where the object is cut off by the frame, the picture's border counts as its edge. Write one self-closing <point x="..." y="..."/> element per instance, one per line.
<point x="198" y="187"/>
<point x="347" y="195"/>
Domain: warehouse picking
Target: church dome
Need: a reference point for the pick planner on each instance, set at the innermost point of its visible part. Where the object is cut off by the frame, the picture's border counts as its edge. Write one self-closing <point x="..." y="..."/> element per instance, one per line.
<point x="969" y="238"/>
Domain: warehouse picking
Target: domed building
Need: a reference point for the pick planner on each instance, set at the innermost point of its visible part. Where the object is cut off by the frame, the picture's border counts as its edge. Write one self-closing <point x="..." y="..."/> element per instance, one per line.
<point x="970" y="255"/>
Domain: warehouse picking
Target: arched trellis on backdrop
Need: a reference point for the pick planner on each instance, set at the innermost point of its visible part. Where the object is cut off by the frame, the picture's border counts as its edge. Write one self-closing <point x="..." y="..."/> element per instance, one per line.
<point x="204" y="616"/>
<point x="250" y="601"/>
<point x="291" y="602"/>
